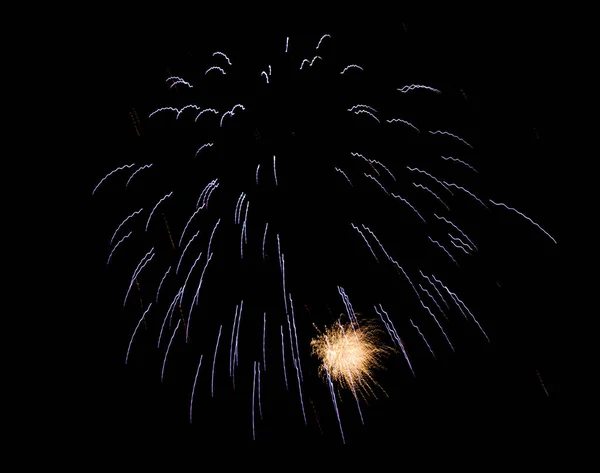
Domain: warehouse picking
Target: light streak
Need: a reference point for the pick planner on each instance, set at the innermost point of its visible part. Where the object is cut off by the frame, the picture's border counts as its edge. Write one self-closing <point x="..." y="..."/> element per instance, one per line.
<point x="322" y="38"/>
<point x="147" y="257"/>
<point x="365" y="240"/>
<point x="444" y="250"/>
<point x="450" y="158"/>
<point x="231" y="112"/>
<point x="440" y="182"/>
<point x="458" y="229"/>
<point x="466" y="191"/>
<point x="433" y="299"/>
<point x="263" y="341"/>
<point x="116" y="245"/>
<point x="233" y="326"/>
<point x="405" y="122"/>
<point x="344" y="174"/>
<point x="188" y="223"/>
<point x="215" y="68"/>
<point x="424" y="339"/>
<point x="135" y="331"/>
<point x="185" y="249"/>
<point x="189" y="274"/>
<point x="219" y="53"/>
<point x="208" y="252"/>
<point x="399" y="197"/>
<point x="206" y="110"/>
<point x="169" y="312"/>
<point x="162" y="372"/>
<point x="161" y="283"/>
<point x="146" y="166"/>
<point x="525" y="217"/>
<point x="447" y="133"/>
<point x="381" y="186"/>
<point x="194" y="387"/>
<point x="361" y="106"/>
<point x="264" y="239"/>
<point x="258" y="390"/>
<point x="157" y="204"/>
<point x="351" y="66"/>
<point x="205" y="145"/>
<point x="253" y="396"/>
<point x="283" y="358"/>
<point x="421" y="186"/>
<point x="212" y="379"/>
<point x="438" y="324"/>
<point x="126" y="166"/>
<point x="335" y="406"/>
<point x="358" y="112"/>
<point x="408" y="88"/>
<point x="178" y="80"/>
<point x="542" y="383"/>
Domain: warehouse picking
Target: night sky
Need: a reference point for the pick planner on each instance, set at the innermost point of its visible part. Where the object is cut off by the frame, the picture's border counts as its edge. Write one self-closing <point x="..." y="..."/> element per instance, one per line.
<point x="498" y="395"/>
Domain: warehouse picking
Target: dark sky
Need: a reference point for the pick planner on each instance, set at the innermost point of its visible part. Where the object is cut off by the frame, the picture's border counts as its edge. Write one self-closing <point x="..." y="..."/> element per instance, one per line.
<point x="484" y="394"/>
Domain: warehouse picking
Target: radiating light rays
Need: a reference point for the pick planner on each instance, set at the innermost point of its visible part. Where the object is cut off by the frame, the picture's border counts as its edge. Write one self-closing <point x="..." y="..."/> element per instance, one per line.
<point x="350" y="354"/>
<point x="217" y="253"/>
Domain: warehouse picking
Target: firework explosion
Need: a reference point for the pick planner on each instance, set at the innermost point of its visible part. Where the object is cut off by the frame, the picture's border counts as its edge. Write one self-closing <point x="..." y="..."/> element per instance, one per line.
<point x="257" y="193"/>
<point x="349" y="354"/>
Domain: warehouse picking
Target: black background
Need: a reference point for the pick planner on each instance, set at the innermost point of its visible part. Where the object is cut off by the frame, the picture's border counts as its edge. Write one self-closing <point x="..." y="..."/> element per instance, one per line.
<point x="497" y="397"/>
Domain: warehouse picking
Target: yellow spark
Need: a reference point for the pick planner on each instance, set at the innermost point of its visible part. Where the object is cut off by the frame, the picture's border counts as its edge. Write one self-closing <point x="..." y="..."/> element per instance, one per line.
<point x="169" y="232"/>
<point x="350" y="354"/>
<point x="136" y="121"/>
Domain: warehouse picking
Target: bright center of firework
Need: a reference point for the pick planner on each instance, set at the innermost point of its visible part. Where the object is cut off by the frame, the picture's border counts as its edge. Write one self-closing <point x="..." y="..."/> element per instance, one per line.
<point x="349" y="354"/>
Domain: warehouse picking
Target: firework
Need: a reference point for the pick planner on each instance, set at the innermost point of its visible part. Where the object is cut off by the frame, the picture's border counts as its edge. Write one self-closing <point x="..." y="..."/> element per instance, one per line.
<point x="350" y="354"/>
<point x="264" y="193"/>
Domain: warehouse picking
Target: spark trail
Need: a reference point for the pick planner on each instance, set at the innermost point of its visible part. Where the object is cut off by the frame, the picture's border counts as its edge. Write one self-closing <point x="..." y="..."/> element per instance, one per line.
<point x="212" y="379"/>
<point x="194" y="387"/>
<point x="227" y="121"/>
<point x="135" y="331"/>
<point x="525" y="217"/>
<point x="126" y="166"/>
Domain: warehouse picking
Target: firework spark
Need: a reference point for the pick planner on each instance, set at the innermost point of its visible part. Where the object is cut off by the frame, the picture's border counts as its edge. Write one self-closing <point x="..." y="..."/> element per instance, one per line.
<point x="350" y="354"/>
<point x="311" y="208"/>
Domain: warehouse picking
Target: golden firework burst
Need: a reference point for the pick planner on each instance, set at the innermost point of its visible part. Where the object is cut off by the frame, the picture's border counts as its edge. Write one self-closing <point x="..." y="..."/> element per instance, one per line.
<point x="349" y="355"/>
